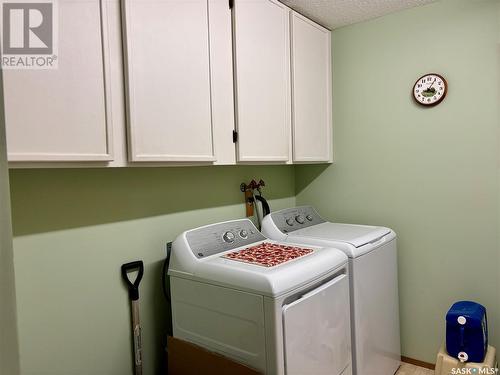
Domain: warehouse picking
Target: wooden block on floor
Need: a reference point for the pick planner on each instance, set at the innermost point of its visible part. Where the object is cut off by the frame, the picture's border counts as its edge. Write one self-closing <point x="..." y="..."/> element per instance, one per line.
<point x="185" y="358"/>
<point x="407" y="369"/>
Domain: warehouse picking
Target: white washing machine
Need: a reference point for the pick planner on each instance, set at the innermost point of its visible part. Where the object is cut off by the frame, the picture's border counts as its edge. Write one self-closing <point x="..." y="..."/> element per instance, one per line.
<point x="373" y="281"/>
<point x="277" y="308"/>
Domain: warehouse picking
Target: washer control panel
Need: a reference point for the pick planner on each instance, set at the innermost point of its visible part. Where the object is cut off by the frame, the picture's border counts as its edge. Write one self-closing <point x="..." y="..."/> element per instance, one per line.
<point x="296" y="218"/>
<point x="218" y="238"/>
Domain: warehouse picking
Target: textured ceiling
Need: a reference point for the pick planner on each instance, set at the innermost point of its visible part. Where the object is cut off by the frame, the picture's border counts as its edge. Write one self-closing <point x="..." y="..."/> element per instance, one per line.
<point x="337" y="13"/>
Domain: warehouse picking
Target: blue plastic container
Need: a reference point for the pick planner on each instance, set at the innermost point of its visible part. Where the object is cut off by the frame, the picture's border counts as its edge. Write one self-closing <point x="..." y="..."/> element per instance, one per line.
<point x="467" y="331"/>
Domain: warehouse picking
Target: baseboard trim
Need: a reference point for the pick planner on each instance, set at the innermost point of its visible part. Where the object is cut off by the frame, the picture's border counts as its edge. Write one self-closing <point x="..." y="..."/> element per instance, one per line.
<point x="418" y="362"/>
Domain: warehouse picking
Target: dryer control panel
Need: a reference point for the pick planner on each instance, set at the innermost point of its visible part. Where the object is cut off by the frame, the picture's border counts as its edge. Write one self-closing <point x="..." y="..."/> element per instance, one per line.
<point x="218" y="238"/>
<point x="296" y="218"/>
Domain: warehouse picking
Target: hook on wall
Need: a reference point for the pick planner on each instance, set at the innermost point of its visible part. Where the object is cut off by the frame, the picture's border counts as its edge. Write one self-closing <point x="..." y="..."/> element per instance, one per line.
<point x="248" y="190"/>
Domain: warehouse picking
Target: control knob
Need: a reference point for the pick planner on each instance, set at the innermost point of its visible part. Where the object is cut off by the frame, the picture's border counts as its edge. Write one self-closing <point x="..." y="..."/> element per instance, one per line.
<point x="309" y="217"/>
<point x="228" y="237"/>
<point x="289" y="221"/>
<point x="300" y="219"/>
<point x="243" y="233"/>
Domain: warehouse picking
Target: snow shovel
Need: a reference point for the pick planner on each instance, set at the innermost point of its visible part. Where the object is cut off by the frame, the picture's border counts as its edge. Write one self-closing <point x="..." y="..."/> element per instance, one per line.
<point x="133" y="292"/>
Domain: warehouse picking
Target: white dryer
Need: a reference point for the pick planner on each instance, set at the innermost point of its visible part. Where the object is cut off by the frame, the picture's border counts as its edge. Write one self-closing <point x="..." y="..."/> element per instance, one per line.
<point x="373" y="281"/>
<point x="277" y="308"/>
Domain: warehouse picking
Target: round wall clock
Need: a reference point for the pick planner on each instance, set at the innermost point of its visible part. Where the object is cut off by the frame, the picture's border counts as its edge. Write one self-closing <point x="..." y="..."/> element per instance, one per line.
<point x="430" y="89"/>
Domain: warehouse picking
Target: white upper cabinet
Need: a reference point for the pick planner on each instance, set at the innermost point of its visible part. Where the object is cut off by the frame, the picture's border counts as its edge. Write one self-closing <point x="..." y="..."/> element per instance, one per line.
<point x="62" y="114"/>
<point x="186" y="73"/>
<point x="311" y="91"/>
<point x="167" y="65"/>
<point x="261" y="41"/>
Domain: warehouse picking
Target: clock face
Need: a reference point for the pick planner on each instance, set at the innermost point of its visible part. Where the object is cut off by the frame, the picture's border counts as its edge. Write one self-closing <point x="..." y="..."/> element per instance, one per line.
<point x="430" y="89"/>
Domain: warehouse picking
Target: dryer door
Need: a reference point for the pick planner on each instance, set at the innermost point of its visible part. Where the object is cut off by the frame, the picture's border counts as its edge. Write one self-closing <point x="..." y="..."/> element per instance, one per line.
<point x="316" y="327"/>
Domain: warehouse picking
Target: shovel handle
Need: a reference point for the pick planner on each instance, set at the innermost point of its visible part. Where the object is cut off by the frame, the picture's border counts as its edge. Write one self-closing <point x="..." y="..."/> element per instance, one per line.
<point x="133" y="287"/>
<point x="137" y="337"/>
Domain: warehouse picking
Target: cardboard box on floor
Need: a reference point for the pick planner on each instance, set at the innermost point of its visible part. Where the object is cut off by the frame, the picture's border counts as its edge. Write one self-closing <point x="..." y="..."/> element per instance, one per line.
<point x="185" y="358"/>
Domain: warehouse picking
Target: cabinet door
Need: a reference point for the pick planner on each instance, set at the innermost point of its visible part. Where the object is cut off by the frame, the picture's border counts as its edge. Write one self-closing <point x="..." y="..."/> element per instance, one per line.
<point x="168" y="80"/>
<point x="221" y="72"/>
<point x="62" y="114"/>
<point x="312" y="91"/>
<point x="262" y="80"/>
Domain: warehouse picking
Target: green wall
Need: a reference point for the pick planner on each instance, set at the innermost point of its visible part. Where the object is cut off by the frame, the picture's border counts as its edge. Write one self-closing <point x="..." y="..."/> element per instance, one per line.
<point x="429" y="173"/>
<point x="74" y="228"/>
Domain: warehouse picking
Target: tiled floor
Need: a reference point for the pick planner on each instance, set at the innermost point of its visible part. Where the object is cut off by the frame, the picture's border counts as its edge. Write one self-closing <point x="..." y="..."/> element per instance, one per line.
<point x="407" y="369"/>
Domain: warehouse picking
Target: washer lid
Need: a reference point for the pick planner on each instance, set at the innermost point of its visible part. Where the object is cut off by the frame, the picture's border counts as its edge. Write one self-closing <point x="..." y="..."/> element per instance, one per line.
<point x="356" y="235"/>
<point x="275" y="280"/>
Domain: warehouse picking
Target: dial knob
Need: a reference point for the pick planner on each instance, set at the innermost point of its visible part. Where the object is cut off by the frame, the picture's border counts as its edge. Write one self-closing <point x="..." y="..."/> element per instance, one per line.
<point x="300" y="219"/>
<point x="289" y="221"/>
<point x="309" y="217"/>
<point x="243" y="233"/>
<point x="228" y="237"/>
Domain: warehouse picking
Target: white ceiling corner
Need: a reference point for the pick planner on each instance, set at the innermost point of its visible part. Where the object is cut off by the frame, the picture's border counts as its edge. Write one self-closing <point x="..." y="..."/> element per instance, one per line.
<point x="337" y="13"/>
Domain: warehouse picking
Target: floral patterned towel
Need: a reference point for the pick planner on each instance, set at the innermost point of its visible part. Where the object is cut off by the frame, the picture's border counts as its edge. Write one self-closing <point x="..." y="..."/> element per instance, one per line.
<point x="268" y="254"/>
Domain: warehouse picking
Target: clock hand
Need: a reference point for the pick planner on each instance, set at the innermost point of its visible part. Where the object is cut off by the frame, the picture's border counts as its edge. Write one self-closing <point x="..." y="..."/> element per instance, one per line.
<point x="432" y="84"/>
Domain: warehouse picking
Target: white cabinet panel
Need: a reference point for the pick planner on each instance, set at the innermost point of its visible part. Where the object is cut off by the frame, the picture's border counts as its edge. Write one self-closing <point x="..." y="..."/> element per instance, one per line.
<point x="62" y="114"/>
<point x="311" y="91"/>
<point x="168" y="80"/>
<point x="262" y="78"/>
<point x="221" y="69"/>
